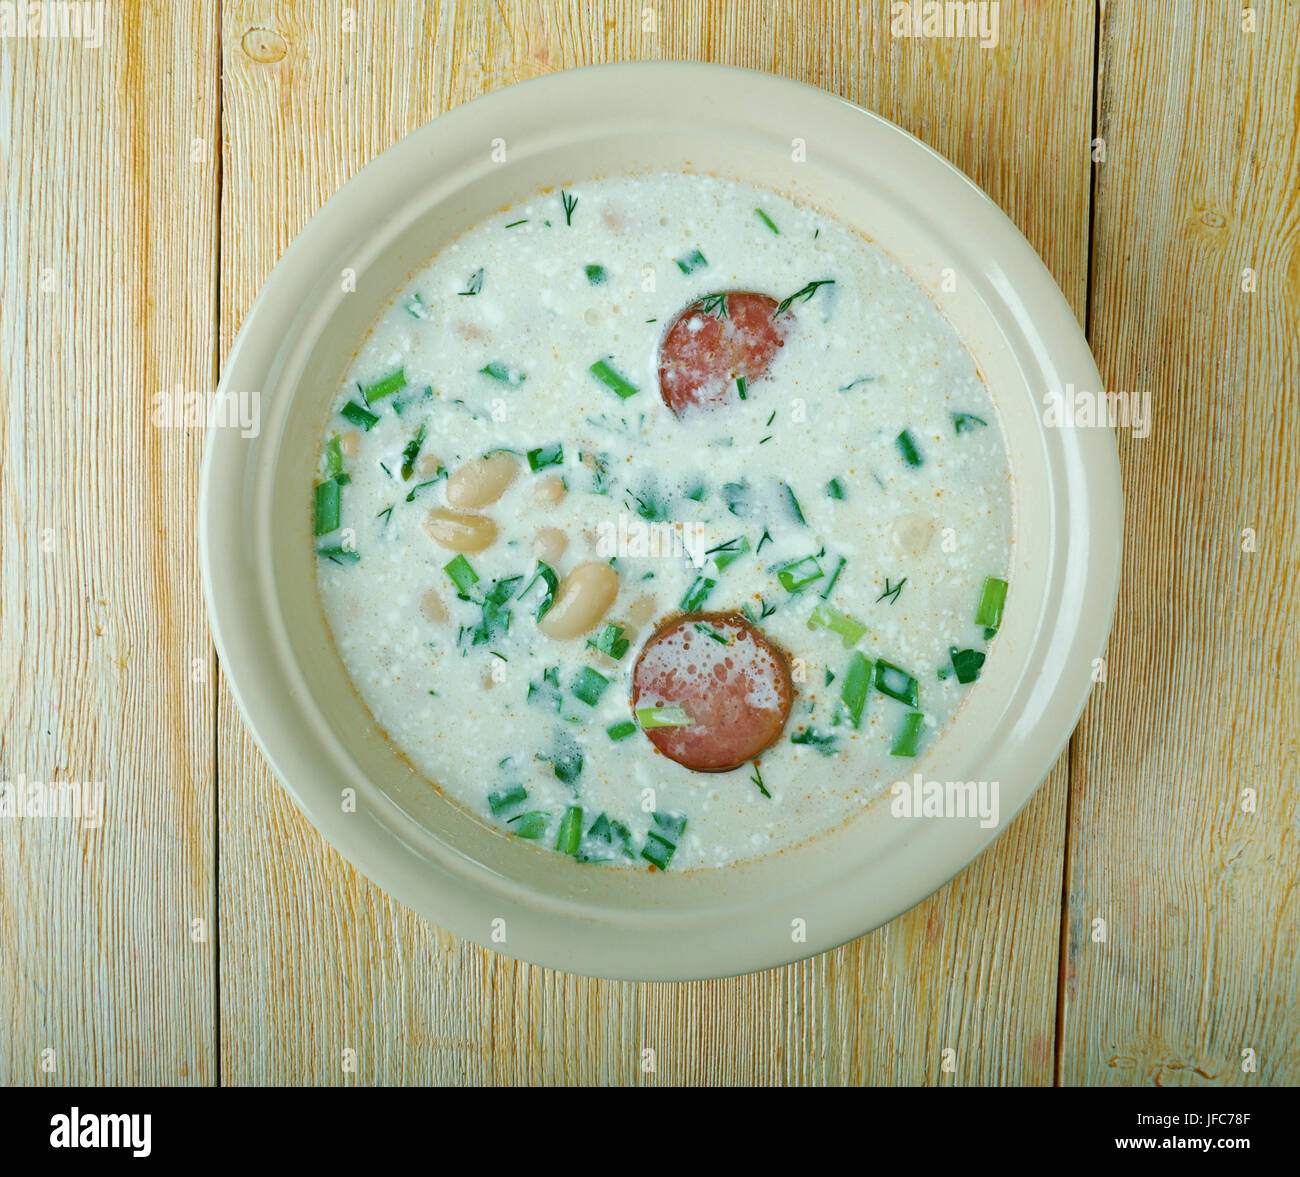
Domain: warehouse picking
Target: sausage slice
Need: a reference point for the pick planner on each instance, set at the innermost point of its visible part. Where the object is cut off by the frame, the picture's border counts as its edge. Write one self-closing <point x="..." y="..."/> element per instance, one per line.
<point x="715" y="340"/>
<point x="731" y="682"/>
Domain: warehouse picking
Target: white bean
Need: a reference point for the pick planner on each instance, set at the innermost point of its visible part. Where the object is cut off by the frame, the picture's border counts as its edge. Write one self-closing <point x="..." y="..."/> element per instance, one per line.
<point x="584" y="597"/>
<point x="459" y="530"/>
<point x="550" y="543"/>
<point x="642" y="609"/>
<point x="549" y="490"/>
<point x="913" y="533"/>
<point x="482" y="480"/>
<point x="434" y="609"/>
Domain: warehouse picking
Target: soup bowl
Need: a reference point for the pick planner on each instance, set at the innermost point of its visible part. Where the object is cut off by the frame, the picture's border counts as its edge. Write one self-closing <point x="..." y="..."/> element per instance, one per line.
<point x="258" y="558"/>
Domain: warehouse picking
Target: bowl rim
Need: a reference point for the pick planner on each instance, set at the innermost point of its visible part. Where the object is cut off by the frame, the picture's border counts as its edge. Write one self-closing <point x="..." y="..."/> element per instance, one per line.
<point x="371" y="841"/>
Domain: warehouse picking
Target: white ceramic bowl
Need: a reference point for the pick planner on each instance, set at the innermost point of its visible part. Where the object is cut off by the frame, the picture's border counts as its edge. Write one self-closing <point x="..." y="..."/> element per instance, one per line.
<point x="258" y="559"/>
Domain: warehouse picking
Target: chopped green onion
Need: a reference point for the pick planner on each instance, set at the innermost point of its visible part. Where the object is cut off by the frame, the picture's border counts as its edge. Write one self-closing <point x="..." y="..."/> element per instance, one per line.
<point x="462" y="575"/>
<point x="742" y="388"/>
<point x="724" y="555"/>
<point x="658" y="850"/>
<point x="692" y="261"/>
<point x="662" y="717"/>
<point x="992" y="598"/>
<point x="853" y="690"/>
<point x="333" y="458"/>
<point x="909" y="735"/>
<point x="650" y="507"/>
<point x="606" y="374"/>
<point x="896" y="683"/>
<point x="620" y="730"/>
<point x="411" y="452"/>
<point x="495" y="619"/>
<point x="566" y="842"/>
<point x="503" y="372"/>
<point x="697" y="593"/>
<point x="512" y="224"/>
<point x="826" y="617"/>
<point x="552" y="582"/>
<point x="566" y="762"/>
<point x="606" y="840"/>
<point x="610" y="641"/>
<point x="548" y="690"/>
<point x="595" y="274"/>
<point x="385" y="386"/>
<point x="590" y="685"/>
<point x="823" y="742"/>
<point x="547" y="455"/>
<point x="669" y="825"/>
<point x="799" y="574"/>
<point x="339" y="554"/>
<point x="417" y="308"/>
<point x="709" y="632"/>
<point x="835" y="488"/>
<point x="505" y="799"/>
<point x="966" y="422"/>
<point x="529" y="825"/>
<point x="359" y="415"/>
<point x="739" y="498"/>
<point x="966" y="664"/>
<point x="762" y="216"/>
<point x="327" y="506"/>
<point x="793" y="504"/>
<point x="907" y="447"/>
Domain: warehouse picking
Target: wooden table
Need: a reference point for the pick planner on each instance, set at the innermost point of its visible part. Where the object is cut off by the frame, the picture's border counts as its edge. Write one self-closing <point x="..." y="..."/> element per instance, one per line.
<point x="1137" y="924"/>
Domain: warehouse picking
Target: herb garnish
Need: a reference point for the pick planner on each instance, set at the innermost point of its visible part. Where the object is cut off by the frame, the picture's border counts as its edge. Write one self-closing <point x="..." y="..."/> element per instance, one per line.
<point x="411" y="452"/>
<point x="692" y="261"/>
<point x="805" y="294"/>
<point x="712" y="304"/>
<point x="892" y="591"/>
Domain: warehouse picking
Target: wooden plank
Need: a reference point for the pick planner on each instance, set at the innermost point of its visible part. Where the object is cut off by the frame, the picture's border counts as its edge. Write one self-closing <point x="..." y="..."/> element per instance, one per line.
<point x="107" y="297"/>
<point x="1198" y="896"/>
<point x="315" y="959"/>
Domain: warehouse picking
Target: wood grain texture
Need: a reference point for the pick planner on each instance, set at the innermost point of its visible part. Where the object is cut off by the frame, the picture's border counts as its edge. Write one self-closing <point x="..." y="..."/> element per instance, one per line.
<point x="107" y="296"/>
<point x="1199" y="898"/>
<point x="315" y="960"/>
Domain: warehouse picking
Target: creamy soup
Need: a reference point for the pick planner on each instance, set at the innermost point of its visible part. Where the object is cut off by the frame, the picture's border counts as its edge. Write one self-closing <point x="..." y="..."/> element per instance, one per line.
<point x="663" y="522"/>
